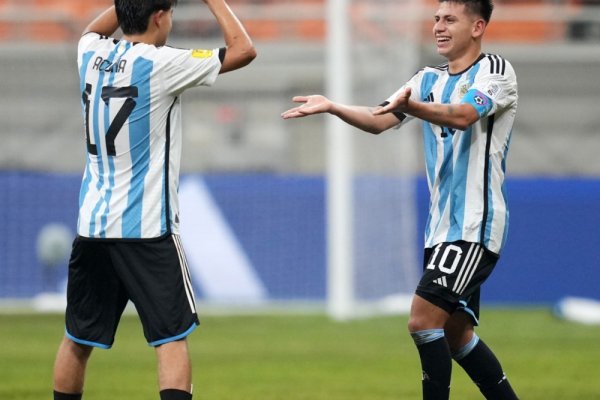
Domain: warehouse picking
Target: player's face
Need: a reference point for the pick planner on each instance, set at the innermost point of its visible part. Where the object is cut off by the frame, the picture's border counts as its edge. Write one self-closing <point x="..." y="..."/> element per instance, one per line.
<point x="453" y="30"/>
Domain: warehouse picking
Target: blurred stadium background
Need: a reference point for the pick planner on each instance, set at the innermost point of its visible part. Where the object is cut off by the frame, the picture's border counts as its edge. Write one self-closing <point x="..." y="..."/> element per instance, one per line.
<point x="254" y="187"/>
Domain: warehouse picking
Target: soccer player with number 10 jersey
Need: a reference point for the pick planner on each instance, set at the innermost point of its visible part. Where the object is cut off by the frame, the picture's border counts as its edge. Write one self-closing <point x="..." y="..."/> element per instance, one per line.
<point x="467" y="107"/>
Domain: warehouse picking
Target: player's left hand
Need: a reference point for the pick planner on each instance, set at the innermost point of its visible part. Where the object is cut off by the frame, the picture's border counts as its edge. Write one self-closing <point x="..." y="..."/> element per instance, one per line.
<point x="399" y="104"/>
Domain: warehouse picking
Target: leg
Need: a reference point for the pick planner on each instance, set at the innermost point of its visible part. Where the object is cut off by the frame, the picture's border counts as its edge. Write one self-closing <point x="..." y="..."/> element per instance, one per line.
<point x="160" y="288"/>
<point x="69" y="367"/>
<point x="425" y="315"/>
<point x="93" y="294"/>
<point x="174" y="370"/>
<point x="426" y="327"/>
<point x="480" y="363"/>
<point x="459" y="330"/>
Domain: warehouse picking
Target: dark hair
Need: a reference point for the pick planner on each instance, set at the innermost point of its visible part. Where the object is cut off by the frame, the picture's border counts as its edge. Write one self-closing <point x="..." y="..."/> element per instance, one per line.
<point x="133" y="15"/>
<point x="482" y="8"/>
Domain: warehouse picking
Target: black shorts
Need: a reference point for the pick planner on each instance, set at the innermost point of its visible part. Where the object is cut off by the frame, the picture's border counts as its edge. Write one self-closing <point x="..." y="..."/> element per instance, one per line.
<point x="105" y="274"/>
<point x="453" y="274"/>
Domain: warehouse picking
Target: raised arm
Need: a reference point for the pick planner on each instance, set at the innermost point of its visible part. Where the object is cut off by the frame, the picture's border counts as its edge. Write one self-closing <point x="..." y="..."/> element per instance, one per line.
<point x="457" y="116"/>
<point x="105" y="24"/>
<point x="240" y="50"/>
<point x="358" y="116"/>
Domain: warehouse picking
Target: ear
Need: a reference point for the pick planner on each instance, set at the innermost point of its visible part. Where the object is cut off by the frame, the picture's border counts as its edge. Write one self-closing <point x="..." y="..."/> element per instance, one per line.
<point x="479" y="28"/>
<point x="157" y="18"/>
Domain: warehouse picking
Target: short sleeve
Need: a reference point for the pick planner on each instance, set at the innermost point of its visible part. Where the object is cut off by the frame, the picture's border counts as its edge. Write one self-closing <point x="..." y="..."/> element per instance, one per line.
<point x="85" y="44"/>
<point x="498" y="85"/>
<point x="186" y="68"/>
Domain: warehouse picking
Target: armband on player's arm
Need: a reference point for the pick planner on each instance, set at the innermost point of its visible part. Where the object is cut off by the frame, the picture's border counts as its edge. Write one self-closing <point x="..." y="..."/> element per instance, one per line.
<point x="480" y="102"/>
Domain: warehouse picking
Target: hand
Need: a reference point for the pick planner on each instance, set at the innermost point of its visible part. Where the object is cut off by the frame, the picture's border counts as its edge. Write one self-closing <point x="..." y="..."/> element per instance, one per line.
<point x="315" y="104"/>
<point x="399" y="104"/>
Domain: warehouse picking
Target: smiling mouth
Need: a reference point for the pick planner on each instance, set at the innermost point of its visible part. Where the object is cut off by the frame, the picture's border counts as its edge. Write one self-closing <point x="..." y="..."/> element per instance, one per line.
<point x="442" y="40"/>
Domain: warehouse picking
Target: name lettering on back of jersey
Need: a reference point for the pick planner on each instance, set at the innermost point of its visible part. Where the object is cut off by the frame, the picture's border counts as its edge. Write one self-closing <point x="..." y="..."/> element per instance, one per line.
<point x="101" y="64"/>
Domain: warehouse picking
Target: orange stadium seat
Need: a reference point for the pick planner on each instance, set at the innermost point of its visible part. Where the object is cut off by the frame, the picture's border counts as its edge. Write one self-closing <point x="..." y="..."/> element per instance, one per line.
<point x="525" y="31"/>
<point x="533" y="31"/>
<point x="269" y="29"/>
<point x="263" y="29"/>
<point x="64" y="18"/>
<point x="311" y="29"/>
<point x="60" y="20"/>
<point x="77" y="9"/>
<point x="47" y="31"/>
<point x="5" y="31"/>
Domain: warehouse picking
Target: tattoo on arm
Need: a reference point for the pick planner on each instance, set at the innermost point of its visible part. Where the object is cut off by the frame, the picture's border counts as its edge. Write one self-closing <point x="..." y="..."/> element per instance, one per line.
<point x="439" y="110"/>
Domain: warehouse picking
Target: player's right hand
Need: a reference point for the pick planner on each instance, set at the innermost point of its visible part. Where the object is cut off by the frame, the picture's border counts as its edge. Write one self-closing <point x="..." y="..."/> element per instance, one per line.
<point x="315" y="104"/>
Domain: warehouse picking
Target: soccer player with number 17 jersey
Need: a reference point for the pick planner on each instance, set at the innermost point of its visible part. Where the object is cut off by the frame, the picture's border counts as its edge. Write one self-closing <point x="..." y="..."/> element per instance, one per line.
<point x="128" y="246"/>
<point x="467" y="107"/>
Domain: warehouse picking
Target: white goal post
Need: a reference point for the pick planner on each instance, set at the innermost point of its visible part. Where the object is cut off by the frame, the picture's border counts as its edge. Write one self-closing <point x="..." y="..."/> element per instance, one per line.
<point x="353" y="261"/>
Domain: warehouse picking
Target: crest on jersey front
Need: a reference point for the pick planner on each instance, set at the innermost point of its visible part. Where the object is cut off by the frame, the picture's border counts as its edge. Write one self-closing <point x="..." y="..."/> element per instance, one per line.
<point x="463" y="90"/>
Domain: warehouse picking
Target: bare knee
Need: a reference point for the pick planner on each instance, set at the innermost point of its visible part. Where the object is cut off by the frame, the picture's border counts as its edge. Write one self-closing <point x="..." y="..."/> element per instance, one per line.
<point x="172" y="350"/>
<point x="425" y="315"/>
<point x="418" y="323"/>
<point x="459" y="331"/>
<point x="77" y="350"/>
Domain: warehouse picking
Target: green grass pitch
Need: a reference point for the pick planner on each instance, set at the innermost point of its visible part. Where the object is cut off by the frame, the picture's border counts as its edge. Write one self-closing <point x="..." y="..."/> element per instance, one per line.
<point x="302" y="357"/>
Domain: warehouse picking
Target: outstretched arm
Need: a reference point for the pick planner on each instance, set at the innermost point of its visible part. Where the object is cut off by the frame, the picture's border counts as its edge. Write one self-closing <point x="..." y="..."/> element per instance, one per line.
<point x="457" y="116"/>
<point x="358" y="116"/>
<point x="105" y="24"/>
<point x="240" y="50"/>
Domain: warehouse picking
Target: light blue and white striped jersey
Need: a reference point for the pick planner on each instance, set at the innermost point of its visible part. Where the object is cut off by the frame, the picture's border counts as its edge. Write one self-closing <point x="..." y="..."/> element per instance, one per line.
<point x="132" y="111"/>
<point x="465" y="169"/>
